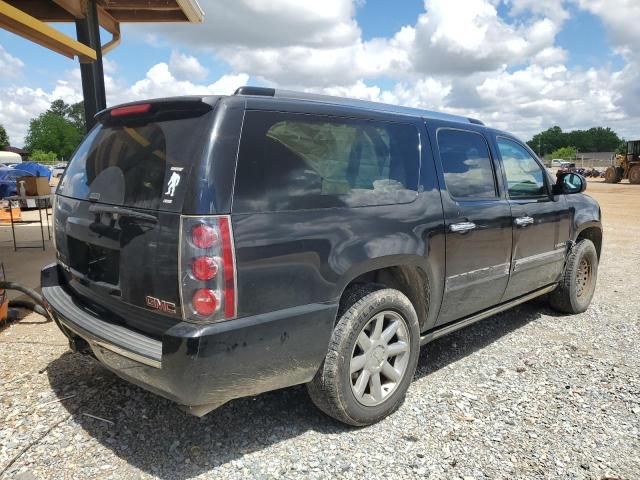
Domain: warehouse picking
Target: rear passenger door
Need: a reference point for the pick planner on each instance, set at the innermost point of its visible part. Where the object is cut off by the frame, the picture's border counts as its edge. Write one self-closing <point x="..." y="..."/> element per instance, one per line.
<point x="478" y="224"/>
<point x="541" y="222"/>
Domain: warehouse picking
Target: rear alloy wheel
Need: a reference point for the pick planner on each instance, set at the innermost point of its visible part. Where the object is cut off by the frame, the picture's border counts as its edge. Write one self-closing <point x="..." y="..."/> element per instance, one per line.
<point x="611" y="175"/>
<point x="371" y="359"/>
<point x="380" y="358"/>
<point x="577" y="286"/>
<point x="634" y="175"/>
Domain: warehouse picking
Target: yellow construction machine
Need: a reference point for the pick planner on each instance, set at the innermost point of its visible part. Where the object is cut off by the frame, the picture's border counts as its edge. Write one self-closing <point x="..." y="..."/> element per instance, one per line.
<point x="626" y="165"/>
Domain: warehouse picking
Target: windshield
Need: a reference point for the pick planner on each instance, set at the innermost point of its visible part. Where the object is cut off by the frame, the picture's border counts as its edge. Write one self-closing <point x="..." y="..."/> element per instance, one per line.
<point x="144" y="165"/>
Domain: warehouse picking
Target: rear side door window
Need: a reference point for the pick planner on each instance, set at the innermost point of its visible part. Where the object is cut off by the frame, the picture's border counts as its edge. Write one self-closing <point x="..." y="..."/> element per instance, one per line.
<point x="468" y="171"/>
<point x="299" y="161"/>
<point x="525" y="177"/>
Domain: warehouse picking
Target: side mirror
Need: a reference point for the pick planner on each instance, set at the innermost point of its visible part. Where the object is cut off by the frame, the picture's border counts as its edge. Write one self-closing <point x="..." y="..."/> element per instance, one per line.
<point x="568" y="183"/>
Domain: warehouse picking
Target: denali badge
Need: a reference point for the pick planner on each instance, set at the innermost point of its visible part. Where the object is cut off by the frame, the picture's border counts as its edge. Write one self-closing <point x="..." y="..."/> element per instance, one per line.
<point x="161" y="305"/>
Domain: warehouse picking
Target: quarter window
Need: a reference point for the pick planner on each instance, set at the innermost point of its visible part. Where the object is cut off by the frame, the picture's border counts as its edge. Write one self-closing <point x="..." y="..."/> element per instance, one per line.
<point x="467" y="167"/>
<point x="297" y="161"/>
<point x="525" y="177"/>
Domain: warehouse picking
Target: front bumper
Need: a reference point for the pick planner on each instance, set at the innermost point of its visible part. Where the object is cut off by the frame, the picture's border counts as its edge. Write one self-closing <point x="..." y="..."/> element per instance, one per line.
<point x="200" y="366"/>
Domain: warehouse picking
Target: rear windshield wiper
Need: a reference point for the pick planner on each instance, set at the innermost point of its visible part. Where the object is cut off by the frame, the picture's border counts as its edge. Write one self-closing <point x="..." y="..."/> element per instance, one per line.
<point x="125" y="212"/>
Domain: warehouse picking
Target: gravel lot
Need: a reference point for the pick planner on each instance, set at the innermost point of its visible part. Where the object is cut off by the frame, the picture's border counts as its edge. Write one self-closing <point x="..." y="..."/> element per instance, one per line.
<point x="526" y="393"/>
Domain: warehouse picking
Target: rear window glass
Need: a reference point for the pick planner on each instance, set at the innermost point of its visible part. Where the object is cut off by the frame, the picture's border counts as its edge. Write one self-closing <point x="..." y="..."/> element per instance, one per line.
<point x="467" y="167"/>
<point x="298" y="161"/>
<point x="143" y="165"/>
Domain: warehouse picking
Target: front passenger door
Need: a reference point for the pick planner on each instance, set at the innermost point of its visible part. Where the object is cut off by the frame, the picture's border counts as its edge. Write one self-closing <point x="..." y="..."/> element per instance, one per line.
<point x="541" y="222"/>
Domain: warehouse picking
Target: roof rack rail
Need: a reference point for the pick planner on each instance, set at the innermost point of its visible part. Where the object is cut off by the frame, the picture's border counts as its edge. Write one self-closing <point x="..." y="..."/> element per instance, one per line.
<point x="350" y="102"/>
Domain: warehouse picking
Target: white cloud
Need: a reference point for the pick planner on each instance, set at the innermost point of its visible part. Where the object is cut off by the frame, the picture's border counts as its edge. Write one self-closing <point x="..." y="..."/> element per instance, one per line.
<point x="18" y="105"/>
<point x="186" y="67"/>
<point x="10" y="66"/>
<point x="161" y="82"/>
<point x="457" y="56"/>
<point x="455" y="38"/>
<point x="621" y="19"/>
<point x="263" y="24"/>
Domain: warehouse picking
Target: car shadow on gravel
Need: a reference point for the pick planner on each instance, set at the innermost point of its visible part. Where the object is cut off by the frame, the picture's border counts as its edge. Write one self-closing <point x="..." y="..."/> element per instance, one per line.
<point x="153" y="435"/>
<point x="457" y="345"/>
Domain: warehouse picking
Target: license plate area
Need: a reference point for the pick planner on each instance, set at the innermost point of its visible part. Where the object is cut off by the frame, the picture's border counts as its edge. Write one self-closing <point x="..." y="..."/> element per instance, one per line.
<point x="96" y="263"/>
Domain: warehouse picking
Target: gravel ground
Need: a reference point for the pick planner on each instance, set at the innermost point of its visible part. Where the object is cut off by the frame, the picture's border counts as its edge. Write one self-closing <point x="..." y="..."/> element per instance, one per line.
<point x="524" y="394"/>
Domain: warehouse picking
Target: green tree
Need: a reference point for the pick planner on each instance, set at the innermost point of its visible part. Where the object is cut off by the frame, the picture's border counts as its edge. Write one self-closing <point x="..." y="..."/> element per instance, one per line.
<point x="56" y="130"/>
<point x="566" y="153"/>
<point x="596" y="139"/>
<point x="43" y="157"/>
<point x="75" y="113"/>
<point x="4" y="138"/>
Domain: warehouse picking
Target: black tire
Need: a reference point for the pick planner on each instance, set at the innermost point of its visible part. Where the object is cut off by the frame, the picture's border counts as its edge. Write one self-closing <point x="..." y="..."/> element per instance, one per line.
<point x="577" y="286"/>
<point x="634" y="175"/>
<point x="331" y="389"/>
<point x="611" y="175"/>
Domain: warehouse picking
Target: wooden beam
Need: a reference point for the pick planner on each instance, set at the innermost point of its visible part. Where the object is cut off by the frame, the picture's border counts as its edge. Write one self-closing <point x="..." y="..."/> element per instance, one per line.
<point x="144" y="16"/>
<point x="31" y="28"/>
<point x="74" y="7"/>
<point x="140" y="4"/>
<point x="44" y="11"/>
<point x="107" y="21"/>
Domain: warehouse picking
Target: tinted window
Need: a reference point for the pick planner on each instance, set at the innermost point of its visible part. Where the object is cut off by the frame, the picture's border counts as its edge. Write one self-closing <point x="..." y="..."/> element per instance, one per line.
<point x="143" y="165"/>
<point x="295" y="161"/>
<point x="467" y="167"/>
<point x="525" y="177"/>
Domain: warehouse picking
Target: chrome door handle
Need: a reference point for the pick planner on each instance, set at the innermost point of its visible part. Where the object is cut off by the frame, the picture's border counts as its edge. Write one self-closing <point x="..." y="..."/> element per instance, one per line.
<point x="462" y="227"/>
<point x="523" y="221"/>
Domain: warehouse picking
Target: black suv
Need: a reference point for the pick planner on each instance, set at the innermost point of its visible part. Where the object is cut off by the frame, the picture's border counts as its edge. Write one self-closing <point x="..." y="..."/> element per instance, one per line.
<point x="215" y="247"/>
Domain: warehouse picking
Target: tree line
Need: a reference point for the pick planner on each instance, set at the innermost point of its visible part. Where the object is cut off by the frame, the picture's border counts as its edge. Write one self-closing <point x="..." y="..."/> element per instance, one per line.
<point x="559" y="144"/>
<point x="54" y="134"/>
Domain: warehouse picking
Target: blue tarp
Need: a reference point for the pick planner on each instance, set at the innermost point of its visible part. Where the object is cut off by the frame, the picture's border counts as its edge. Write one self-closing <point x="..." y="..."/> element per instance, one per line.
<point x="35" y="168"/>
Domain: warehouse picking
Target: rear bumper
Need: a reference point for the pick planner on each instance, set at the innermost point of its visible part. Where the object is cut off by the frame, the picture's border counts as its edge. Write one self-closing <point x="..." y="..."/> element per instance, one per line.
<point x="200" y="367"/>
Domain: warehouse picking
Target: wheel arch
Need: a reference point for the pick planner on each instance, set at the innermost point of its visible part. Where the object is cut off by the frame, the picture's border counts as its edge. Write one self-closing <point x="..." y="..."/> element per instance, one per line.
<point x="591" y="231"/>
<point x="411" y="276"/>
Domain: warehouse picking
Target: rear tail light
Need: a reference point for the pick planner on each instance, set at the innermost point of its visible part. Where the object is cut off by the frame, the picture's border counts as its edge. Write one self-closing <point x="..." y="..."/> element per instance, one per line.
<point x="205" y="302"/>
<point x="207" y="269"/>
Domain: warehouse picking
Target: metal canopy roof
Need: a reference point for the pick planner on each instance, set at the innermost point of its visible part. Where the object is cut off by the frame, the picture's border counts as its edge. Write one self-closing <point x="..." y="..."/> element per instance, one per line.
<point x="121" y="11"/>
<point x="29" y="18"/>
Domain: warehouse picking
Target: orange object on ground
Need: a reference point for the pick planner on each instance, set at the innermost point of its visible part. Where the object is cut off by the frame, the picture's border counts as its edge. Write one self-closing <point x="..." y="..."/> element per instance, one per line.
<point x="4" y="307"/>
<point x="5" y="216"/>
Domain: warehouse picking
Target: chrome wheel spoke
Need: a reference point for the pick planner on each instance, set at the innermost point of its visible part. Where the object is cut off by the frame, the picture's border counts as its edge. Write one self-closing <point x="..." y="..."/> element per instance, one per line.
<point x="390" y="331"/>
<point x="358" y="363"/>
<point x="364" y="342"/>
<point x="397" y="348"/>
<point x="376" y="387"/>
<point x="390" y="372"/>
<point x="361" y="383"/>
<point x="377" y="329"/>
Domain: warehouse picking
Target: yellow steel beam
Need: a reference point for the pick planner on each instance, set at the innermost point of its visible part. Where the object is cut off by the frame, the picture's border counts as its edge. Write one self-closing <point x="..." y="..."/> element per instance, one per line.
<point x="31" y="28"/>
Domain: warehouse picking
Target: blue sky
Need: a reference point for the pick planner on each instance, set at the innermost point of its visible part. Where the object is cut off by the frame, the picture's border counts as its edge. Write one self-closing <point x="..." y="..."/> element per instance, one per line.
<point x="558" y="62"/>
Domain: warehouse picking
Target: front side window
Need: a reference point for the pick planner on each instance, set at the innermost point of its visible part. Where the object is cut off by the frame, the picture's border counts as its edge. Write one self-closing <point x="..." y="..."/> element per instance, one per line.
<point x="468" y="172"/>
<point x="298" y="161"/>
<point x="525" y="177"/>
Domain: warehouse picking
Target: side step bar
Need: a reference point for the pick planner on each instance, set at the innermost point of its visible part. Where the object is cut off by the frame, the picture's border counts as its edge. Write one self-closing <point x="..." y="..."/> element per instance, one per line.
<point x="452" y="327"/>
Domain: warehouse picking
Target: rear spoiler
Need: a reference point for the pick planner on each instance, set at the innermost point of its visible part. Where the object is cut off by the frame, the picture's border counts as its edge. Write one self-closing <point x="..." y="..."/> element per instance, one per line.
<point x="155" y="111"/>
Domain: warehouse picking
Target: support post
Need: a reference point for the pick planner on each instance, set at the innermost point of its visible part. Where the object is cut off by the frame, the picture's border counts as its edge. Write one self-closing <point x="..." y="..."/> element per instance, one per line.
<point x="92" y="74"/>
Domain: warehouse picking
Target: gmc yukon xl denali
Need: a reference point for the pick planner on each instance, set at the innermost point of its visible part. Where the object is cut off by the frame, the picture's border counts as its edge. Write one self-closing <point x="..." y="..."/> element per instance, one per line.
<point x="214" y="247"/>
